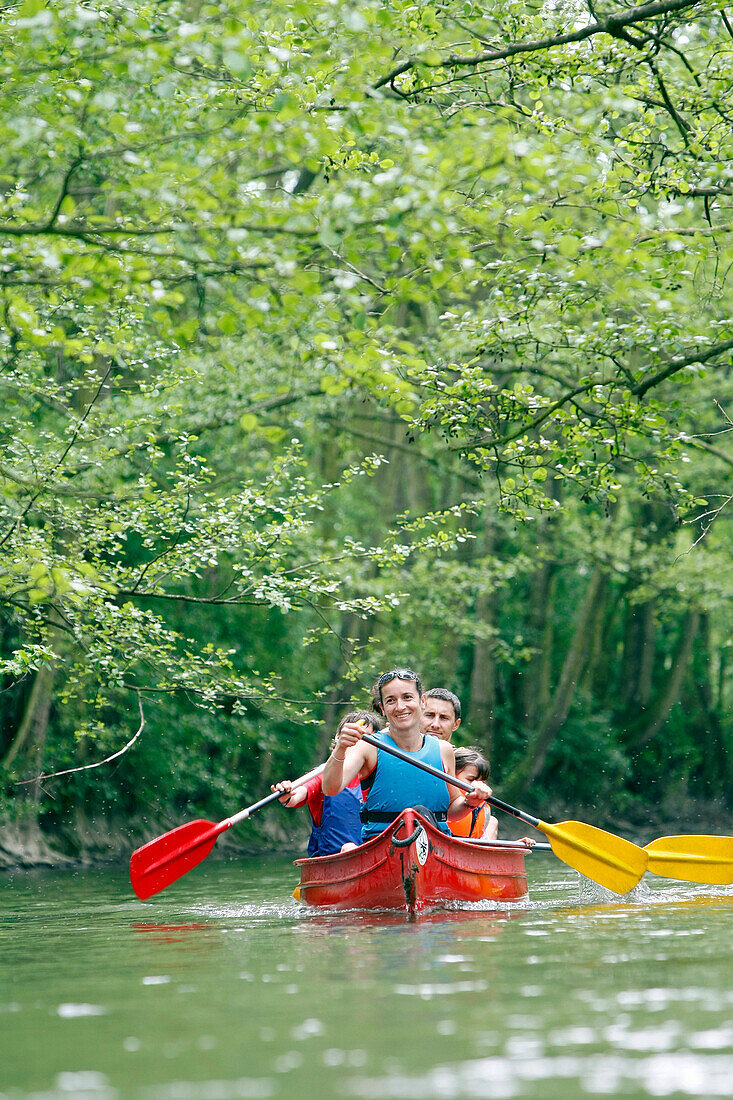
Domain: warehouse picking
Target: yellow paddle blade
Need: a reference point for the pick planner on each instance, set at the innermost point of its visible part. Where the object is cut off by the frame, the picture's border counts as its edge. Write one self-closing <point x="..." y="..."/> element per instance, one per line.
<point x="609" y="860"/>
<point x="296" y="893"/>
<point x="693" y="858"/>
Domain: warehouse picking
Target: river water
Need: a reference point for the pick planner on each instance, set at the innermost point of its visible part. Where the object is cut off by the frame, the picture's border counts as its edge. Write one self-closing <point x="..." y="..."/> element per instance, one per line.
<point x="223" y="987"/>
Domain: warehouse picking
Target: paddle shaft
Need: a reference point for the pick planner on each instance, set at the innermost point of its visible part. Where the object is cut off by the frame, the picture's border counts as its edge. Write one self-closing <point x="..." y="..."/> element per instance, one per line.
<point x="217" y="830"/>
<point x="609" y="860"/>
<point x="707" y="859"/>
<point x="248" y="810"/>
<point x="242" y="815"/>
<point x="410" y="758"/>
<point x="539" y="846"/>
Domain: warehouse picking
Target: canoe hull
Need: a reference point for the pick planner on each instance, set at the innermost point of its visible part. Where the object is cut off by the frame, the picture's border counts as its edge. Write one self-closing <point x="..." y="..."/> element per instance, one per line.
<point x="412" y="865"/>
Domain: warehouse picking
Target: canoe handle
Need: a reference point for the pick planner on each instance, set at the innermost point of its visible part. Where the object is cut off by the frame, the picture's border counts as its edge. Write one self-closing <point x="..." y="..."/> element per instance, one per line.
<point x="408" y="840"/>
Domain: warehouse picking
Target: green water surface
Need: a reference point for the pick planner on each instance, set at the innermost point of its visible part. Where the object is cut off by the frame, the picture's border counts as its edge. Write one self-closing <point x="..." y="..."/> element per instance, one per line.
<point x="223" y="987"/>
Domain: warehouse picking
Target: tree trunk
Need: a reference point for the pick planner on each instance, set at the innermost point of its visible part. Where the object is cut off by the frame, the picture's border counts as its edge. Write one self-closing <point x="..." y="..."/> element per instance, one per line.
<point x="637" y="669"/>
<point x="573" y="666"/>
<point x="670" y="692"/>
<point x="656" y="525"/>
<point x="23" y="839"/>
<point x="483" y="680"/>
<point x="714" y="774"/>
<point x="537" y="674"/>
<point x="31" y="735"/>
<point x="598" y="680"/>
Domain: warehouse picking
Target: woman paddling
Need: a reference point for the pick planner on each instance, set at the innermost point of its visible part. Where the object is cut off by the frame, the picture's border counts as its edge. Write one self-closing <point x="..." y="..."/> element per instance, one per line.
<point x="391" y="785"/>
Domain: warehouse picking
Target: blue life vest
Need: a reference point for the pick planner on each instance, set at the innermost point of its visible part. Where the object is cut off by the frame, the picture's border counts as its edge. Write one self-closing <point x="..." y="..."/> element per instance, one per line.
<point x="397" y="785"/>
<point x="340" y="822"/>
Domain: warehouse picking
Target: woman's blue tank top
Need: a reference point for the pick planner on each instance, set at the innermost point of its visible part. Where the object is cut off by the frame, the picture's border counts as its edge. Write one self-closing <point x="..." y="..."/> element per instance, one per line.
<point x="397" y="784"/>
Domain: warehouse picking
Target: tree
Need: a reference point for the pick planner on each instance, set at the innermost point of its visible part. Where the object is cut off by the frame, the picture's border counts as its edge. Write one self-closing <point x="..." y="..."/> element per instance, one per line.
<point x="491" y="248"/>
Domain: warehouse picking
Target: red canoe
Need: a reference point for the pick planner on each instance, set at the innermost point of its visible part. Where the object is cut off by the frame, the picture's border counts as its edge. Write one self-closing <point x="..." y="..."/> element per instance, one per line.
<point x="413" y="866"/>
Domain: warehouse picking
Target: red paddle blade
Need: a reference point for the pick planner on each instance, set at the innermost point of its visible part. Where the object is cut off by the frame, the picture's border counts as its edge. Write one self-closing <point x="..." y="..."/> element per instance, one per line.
<point x="167" y="858"/>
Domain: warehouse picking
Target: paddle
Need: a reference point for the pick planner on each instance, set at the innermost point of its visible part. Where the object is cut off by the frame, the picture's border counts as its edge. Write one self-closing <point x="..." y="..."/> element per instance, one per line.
<point x="538" y="846"/>
<point x="693" y="858"/>
<point x="170" y="856"/>
<point x="609" y="860"/>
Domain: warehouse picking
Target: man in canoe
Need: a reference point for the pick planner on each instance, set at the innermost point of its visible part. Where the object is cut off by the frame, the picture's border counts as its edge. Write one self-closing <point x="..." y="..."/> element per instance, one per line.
<point x="441" y="714"/>
<point x="390" y="784"/>
<point x="441" y="717"/>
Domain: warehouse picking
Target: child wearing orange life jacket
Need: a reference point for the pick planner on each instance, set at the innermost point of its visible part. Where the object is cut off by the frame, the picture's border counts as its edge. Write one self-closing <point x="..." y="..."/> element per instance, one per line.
<point x="335" y="819"/>
<point x="479" y="823"/>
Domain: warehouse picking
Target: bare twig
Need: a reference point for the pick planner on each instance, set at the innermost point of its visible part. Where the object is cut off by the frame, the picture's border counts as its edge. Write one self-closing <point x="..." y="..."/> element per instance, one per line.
<point x="99" y="763"/>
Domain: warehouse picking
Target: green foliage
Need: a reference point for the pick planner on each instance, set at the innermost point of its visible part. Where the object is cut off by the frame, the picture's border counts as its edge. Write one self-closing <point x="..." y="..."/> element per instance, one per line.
<point x="335" y="335"/>
<point x="590" y="764"/>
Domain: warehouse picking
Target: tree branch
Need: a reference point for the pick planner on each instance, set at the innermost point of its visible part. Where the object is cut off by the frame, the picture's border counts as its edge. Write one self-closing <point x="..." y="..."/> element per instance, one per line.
<point x="99" y="763"/>
<point x="679" y="363"/>
<point x="614" y="25"/>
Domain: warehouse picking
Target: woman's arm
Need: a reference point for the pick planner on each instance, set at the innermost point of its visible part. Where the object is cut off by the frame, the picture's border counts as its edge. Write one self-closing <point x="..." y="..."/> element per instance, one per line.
<point x="350" y="757"/>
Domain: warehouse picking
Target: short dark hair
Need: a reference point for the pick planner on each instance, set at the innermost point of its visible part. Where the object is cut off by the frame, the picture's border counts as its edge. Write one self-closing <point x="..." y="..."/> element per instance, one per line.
<point x="394" y="674"/>
<point x="447" y="697"/>
<point x="466" y="757"/>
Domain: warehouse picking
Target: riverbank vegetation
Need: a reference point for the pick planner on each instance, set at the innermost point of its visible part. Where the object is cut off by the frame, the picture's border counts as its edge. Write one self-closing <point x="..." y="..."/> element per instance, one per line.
<point x="343" y="335"/>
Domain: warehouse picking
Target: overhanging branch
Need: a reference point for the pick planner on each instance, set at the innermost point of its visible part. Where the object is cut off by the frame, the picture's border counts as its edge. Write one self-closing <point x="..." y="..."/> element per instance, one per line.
<point x="614" y="25"/>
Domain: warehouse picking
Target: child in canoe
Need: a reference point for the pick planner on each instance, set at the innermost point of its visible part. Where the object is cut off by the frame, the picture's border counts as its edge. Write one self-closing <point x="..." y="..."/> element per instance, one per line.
<point x="479" y="822"/>
<point x="335" y="820"/>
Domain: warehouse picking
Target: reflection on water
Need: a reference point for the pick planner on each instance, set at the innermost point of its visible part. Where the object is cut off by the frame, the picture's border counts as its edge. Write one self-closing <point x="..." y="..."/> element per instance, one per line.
<point x="323" y="921"/>
<point x="564" y="1075"/>
<point x="174" y="933"/>
<point x="223" y="986"/>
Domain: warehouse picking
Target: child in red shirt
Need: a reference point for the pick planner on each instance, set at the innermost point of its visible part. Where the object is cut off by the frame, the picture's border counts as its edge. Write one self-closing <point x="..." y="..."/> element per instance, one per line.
<point x="335" y="820"/>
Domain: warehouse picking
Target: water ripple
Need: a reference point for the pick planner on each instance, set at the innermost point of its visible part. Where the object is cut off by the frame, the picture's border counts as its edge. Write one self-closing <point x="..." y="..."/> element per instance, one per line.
<point x="669" y="1074"/>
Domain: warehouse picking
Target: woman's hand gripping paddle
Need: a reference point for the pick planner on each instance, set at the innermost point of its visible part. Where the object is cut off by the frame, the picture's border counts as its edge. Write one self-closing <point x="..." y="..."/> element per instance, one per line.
<point x="170" y="856"/>
<point x="609" y="860"/>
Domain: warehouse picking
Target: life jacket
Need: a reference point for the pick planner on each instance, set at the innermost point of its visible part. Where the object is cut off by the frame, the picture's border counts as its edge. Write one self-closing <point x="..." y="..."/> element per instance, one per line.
<point x="339" y="822"/>
<point x="473" y="823"/>
<point x="394" y="785"/>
